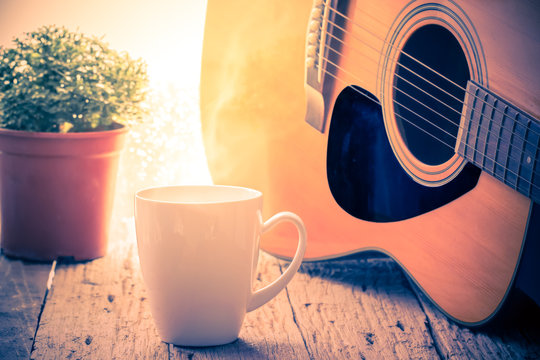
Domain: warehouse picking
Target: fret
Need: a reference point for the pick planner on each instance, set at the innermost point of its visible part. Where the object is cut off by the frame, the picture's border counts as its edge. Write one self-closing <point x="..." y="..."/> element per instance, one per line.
<point x="505" y="147"/>
<point x="498" y="167"/>
<point x="479" y="155"/>
<point x="513" y="157"/>
<point x="487" y="160"/>
<point x="526" y="155"/>
<point x="535" y="183"/>
<point x="530" y="158"/>
<point x="480" y="146"/>
<point x="465" y="129"/>
<point x="469" y="150"/>
<point x="500" y="139"/>
<point x="523" y="182"/>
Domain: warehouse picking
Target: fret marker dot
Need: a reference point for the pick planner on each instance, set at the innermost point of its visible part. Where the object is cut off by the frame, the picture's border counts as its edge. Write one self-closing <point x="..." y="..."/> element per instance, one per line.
<point x="529" y="159"/>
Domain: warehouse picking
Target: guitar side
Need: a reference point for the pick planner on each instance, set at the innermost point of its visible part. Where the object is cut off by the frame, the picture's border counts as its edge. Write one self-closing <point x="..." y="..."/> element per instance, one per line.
<point x="252" y="111"/>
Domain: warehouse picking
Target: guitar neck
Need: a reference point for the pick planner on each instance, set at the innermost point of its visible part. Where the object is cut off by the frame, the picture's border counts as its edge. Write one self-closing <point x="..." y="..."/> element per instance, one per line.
<point x="501" y="139"/>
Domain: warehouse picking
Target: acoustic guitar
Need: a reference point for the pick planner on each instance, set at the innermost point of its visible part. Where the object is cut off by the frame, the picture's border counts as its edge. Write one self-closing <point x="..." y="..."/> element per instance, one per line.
<point x="420" y="139"/>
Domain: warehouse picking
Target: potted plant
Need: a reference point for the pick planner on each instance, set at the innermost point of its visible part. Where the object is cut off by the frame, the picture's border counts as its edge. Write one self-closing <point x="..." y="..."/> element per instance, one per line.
<point x="64" y="102"/>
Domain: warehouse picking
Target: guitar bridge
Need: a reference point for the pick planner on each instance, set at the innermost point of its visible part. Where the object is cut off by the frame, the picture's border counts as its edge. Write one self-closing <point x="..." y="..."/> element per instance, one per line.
<point x="315" y="55"/>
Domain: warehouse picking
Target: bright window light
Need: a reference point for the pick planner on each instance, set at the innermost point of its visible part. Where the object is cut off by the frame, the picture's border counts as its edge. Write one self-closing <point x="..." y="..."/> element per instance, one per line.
<point x="166" y="147"/>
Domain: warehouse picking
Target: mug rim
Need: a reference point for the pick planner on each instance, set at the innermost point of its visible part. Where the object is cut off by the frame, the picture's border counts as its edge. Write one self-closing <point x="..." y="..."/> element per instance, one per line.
<point x="251" y="194"/>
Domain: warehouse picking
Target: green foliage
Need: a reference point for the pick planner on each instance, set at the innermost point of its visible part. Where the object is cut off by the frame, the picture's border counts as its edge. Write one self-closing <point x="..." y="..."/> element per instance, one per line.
<point x="55" y="80"/>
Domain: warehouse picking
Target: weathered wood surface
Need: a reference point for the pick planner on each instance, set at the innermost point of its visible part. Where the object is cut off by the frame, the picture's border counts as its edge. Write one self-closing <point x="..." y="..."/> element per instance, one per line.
<point x="268" y="332"/>
<point x="366" y="308"/>
<point x="99" y="310"/>
<point x="359" y="309"/>
<point x="514" y="334"/>
<point x="356" y="308"/>
<point x="23" y="286"/>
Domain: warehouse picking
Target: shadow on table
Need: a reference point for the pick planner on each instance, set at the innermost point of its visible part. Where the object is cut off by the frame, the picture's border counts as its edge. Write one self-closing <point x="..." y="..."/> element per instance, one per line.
<point x="519" y="313"/>
<point x="235" y="350"/>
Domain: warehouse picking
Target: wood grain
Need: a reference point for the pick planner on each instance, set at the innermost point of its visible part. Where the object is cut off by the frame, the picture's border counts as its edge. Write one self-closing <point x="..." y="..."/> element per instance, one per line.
<point x="268" y="332"/>
<point x="500" y="339"/>
<point x="99" y="310"/>
<point x="23" y="286"/>
<point x="361" y="308"/>
<point x="365" y="308"/>
<point x="351" y="306"/>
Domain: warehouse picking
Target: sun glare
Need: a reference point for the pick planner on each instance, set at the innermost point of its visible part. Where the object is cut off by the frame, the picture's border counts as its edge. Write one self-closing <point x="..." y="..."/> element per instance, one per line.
<point x="166" y="146"/>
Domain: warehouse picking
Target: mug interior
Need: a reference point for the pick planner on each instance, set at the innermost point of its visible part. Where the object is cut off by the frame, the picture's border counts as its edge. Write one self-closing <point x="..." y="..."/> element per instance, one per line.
<point x="195" y="194"/>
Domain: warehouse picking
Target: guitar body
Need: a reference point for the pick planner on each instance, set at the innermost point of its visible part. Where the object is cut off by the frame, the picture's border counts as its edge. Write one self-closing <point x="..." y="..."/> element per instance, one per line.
<point x="458" y="233"/>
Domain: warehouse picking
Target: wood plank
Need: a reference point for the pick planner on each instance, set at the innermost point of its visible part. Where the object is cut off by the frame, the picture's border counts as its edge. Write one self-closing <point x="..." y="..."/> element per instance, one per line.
<point x="99" y="309"/>
<point x="23" y="286"/>
<point x="268" y="332"/>
<point x="359" y="308"/>
<point x="514" y="334"/>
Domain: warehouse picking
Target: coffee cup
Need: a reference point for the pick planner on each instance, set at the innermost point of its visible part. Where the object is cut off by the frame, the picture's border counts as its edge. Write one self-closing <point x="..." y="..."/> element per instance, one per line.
<point x="198" y="250"/>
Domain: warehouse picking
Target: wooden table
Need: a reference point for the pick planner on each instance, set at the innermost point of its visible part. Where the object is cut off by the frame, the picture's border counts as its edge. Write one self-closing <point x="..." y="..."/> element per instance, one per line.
<point x="356" y="308"/>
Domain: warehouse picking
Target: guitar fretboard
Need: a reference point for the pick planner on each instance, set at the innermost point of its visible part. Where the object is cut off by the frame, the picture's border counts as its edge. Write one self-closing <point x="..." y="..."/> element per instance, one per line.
<point x="500" y="139"/>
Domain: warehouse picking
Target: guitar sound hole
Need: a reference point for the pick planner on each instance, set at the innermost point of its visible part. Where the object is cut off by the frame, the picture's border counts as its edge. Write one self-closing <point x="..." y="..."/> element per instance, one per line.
<point x="427" y="105"/>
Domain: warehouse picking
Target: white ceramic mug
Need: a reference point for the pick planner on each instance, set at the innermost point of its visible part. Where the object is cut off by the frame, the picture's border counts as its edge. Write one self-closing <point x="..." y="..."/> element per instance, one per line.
<point x="198" y="250"/>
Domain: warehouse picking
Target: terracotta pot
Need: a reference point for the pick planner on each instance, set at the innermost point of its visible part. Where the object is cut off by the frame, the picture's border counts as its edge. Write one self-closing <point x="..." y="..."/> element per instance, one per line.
<point x="57" y="192"/>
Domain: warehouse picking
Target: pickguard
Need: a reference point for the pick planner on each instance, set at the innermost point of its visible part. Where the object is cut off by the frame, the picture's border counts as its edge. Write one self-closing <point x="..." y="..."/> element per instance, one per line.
<point x="364" y="176"/>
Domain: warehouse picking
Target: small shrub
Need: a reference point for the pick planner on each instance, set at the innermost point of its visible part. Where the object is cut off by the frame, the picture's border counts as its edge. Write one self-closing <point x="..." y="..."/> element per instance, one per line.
<point x="55" y="80"/>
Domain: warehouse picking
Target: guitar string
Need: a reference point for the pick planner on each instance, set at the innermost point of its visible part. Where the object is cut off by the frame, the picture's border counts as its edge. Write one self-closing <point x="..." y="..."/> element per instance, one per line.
<point x="399" y="76"/>
<point x="516" y="135"/>
<point x="421" y="103"/>
<point x="420" y="116"/>
<point x="510" y="145"/>
<point x="428" y="81"/>
<point x="424" y="105"/>
<point x="408" y="95"/>
<point x="380" y="39"/>
<point x="397" y="62"/>
<point x="495" y="162"/>
<point x="405" y="107"/>
<point x="411" y="57"/>
<point x="408" y="55"/>
<point x="503" y="178"/>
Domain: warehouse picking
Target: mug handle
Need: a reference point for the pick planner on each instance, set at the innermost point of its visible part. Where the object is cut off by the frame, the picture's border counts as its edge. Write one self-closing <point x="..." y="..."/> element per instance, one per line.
<point x="262" y="296"/>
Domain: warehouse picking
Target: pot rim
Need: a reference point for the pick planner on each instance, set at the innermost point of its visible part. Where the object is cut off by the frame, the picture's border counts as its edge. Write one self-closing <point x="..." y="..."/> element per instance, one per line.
<point x="121" y="128"/>
<point x="45" y="144"/>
